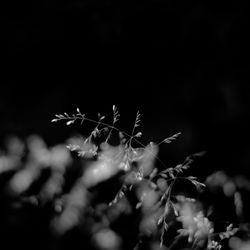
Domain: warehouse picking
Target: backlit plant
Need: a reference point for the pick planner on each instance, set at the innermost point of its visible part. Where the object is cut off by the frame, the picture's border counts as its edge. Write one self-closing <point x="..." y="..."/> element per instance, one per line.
<point x="135" y="167"/>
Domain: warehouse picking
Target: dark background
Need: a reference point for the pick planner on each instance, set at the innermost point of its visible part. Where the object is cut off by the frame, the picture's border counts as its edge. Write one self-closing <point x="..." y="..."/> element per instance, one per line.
<point x="183" y="64"/>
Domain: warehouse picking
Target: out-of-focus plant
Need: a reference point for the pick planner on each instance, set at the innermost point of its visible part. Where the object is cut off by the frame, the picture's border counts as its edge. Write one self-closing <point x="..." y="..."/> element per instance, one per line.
<point x="116" y="193"/>
<point x="160" y="207"/>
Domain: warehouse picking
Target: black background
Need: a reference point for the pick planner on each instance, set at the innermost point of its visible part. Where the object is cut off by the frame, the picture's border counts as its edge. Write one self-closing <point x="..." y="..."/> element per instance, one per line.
<point x="183" y="64"/>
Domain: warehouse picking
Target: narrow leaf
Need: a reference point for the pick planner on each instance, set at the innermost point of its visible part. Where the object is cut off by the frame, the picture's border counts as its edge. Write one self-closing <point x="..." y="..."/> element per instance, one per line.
<point x="70" y="122"/>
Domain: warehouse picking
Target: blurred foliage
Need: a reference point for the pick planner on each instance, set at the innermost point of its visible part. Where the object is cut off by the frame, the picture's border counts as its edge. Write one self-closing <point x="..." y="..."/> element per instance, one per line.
<point x="115" y="196"/>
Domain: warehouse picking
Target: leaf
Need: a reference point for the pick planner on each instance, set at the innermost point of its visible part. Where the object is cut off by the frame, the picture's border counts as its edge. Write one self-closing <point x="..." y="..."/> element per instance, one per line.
<point x="171" y="175"/>
<point x="73" y="147"/>
<point x="197" y="184"/>
<point x="175" y="210"/>
<point x="116" y="114"/>
<point x="199" y="154"/>
<point x="163" y="175"/>
<point x="121" y="194"/>
<point x="138" y="205"/>
<point x="81" y="153"/>
<point x="160" y="220"/>
<point x="137" y="119"/>
<point x="192" y="177"/>
<point x="139" y="176"/>
<point x="171" y="138"/>
<point x="153" y="173"/>
<point x="70" y="122"/>
<point x="139" y="134"/>
<point x="165" y="226"/>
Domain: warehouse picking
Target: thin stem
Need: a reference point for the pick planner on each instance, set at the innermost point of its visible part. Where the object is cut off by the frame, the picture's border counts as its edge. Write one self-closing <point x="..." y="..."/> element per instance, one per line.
<point x="110" y="132"/>
<point x="82" y="117"/>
